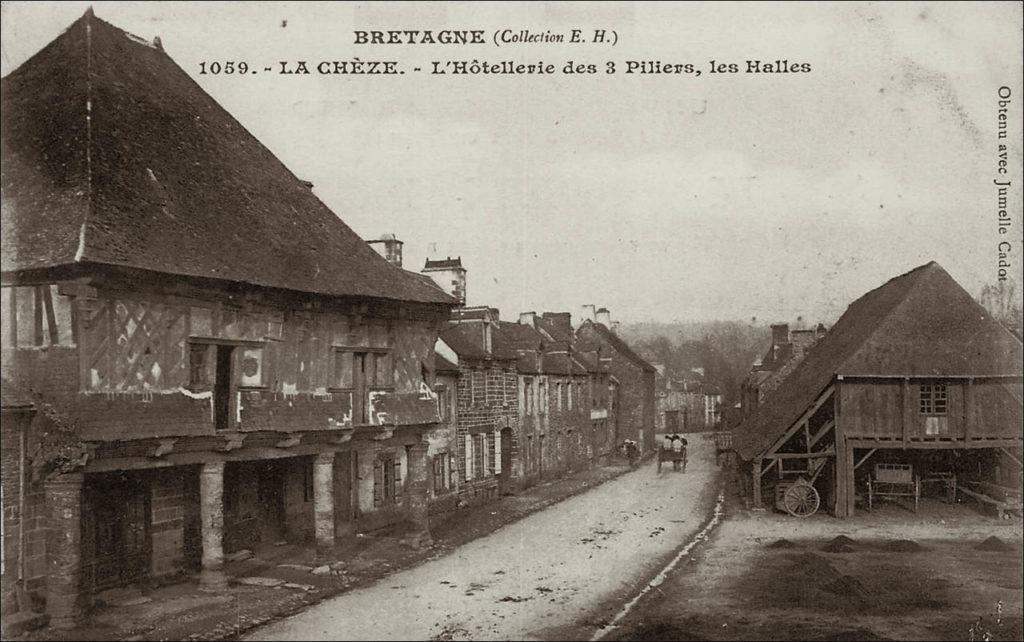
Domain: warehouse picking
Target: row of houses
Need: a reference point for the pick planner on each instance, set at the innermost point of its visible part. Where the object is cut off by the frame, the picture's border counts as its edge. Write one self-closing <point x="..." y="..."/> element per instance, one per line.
<point x="200" y="357"/>
<point x="530" y="399"/>
<point x="686" y="402"/>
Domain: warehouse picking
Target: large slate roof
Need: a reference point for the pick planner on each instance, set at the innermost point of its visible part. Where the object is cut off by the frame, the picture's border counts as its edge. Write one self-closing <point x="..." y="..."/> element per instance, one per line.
<point x="918" y="324"/>
<point x="113" y="155"/>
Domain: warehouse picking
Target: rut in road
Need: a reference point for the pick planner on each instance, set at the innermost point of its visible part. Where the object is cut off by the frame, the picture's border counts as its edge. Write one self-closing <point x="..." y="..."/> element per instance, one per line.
<point x="531" y="578"/>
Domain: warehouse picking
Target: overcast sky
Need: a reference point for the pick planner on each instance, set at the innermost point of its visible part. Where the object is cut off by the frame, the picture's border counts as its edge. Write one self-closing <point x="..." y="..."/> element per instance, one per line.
<point x="661" y="197"/>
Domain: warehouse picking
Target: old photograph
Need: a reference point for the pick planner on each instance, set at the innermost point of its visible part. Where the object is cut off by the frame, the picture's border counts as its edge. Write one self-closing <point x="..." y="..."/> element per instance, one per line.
<point x="511" y="320"/>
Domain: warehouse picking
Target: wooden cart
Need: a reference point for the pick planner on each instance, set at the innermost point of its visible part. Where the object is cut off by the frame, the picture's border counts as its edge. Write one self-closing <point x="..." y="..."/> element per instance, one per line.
<point x="667" y="454"/>
<point x="893" y="481"/>
<point x="798" y="498"/>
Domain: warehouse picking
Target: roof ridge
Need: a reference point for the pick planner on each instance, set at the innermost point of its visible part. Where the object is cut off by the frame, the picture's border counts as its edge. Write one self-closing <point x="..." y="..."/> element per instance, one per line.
<point x="80" y="250"/>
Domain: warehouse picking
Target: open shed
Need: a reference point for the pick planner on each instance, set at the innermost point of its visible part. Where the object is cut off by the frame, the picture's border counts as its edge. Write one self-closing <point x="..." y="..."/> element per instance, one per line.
<point x="915" y="383"/>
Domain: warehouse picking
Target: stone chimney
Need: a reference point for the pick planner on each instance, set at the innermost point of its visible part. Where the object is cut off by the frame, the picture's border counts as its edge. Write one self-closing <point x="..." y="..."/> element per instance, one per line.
<point x="449" y="275"/>
<point x="604" y="317"/>
<point x="528" y="318"/>
<point x="780" y="333"/>
<point x="587" y="313"/>
<point x="615" y="327"/>
<point x="389" y="247"/>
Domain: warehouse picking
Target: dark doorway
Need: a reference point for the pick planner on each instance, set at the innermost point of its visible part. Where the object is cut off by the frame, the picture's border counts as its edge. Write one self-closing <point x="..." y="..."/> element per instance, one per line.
<point x="506" y="460"/>
<point x="222" y="388"/>
<point x="115" y="531"/>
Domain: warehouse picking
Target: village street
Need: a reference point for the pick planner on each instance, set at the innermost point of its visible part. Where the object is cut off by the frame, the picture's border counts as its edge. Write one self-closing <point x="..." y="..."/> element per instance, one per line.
<point x="577" y="561"/>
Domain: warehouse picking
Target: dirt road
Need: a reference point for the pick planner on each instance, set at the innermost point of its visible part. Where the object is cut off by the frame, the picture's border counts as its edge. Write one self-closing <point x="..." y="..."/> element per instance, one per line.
<point x="578" y="560"/>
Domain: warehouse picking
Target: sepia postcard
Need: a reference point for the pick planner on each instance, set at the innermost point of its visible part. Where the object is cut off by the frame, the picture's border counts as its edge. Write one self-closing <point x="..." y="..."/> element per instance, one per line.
<point x="511" y="320"/>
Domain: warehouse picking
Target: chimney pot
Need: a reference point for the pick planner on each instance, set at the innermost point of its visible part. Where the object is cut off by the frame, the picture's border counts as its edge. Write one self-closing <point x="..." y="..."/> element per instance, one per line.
<point x="604" y="317"/>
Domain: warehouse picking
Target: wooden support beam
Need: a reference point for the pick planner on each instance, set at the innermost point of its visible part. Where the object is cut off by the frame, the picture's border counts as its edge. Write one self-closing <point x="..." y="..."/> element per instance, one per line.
<point x="815" y="455"/>
<point x="769" y="466"/>
<point x="51" y="318"/>
<point x="968" y="409"/>
<point x="807" y="434"/>
<point x="905" y="416"/>
<point x="165" y="446"/>
<point x="1011" y="456"/>
<point x="822" y="398"/>
<point x="289" y="442"/>
<point x="829" y="425"/>
<point x="232" y="442"/>
<point x="864" y="458"/>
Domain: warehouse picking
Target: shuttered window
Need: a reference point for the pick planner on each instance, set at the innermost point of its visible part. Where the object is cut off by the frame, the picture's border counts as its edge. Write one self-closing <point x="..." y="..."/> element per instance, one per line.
<point x="468" y="447"/>
<point x="387" y="480"/>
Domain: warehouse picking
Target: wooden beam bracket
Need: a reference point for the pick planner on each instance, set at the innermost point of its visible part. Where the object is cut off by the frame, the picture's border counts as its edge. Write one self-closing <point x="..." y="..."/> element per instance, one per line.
<point x="164" y="447"/>
<point x="864" y="458"/>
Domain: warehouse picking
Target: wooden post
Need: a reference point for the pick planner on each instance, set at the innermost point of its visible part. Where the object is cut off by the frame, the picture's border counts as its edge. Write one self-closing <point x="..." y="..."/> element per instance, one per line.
<point x="968" y="410"/>
<point x="905" y="416"/>
<point x="756" y="499"/>
<point x="845" y="493"/>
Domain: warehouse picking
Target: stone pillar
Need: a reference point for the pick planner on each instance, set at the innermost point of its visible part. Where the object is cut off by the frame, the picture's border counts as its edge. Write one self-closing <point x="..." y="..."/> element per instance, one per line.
<point x="211" y="509"/>
<point x="416" y="497"/>
<point x="323" y="503"/>
<point x="64" y="553"/>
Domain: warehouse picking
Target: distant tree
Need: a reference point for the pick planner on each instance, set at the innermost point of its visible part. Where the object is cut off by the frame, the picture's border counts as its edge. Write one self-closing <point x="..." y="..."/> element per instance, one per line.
<point x="1002" y="300"/>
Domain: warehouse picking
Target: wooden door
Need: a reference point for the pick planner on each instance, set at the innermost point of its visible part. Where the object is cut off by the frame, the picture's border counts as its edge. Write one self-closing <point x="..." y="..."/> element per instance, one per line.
<point x="116" y="537"/>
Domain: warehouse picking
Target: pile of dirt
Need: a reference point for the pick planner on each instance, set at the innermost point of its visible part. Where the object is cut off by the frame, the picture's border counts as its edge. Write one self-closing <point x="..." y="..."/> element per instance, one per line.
<point x="902" y="546"/>
<point x="782" y="543"/>
<point x="840" y="544"/>
<point x="811" y="568"/>
<point x="847" y="586"/>
<point x="995" y="545"/>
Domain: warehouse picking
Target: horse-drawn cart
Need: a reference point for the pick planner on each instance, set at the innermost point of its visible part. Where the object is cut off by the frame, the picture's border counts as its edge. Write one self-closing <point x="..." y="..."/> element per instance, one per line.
<point x="799" y="498"/>
<point x="677" y="457"/>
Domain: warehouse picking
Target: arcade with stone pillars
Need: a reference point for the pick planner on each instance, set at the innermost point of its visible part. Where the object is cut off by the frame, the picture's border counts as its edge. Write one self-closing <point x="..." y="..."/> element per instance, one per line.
<point x="178" y="515"/>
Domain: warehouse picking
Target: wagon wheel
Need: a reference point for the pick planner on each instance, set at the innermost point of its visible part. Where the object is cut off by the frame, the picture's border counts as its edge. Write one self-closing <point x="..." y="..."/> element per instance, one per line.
<point x="801" y="499"/>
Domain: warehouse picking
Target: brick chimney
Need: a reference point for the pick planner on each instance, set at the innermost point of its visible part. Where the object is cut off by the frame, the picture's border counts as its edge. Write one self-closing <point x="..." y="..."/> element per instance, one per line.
<point x="528" y="318"/>
<point x="780" y="333"/>
<point x="389" y="247"/>
<point x="604" y="317"/>
<point x="587" y="313"/>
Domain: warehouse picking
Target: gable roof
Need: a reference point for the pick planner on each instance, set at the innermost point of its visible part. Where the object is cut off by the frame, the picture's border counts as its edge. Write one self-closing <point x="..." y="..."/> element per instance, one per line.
<point x="113" y="155"/>
<point x="444" y="264"/>
<point x="444" y="366"/>
<point x="616" y="343"/>
<point x="918" y="324"/>
<point x="467" y="340"/>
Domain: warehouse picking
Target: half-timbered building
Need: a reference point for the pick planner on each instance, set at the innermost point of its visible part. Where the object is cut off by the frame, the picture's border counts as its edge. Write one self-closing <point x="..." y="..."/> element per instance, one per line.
<point x="214" y="359"/>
